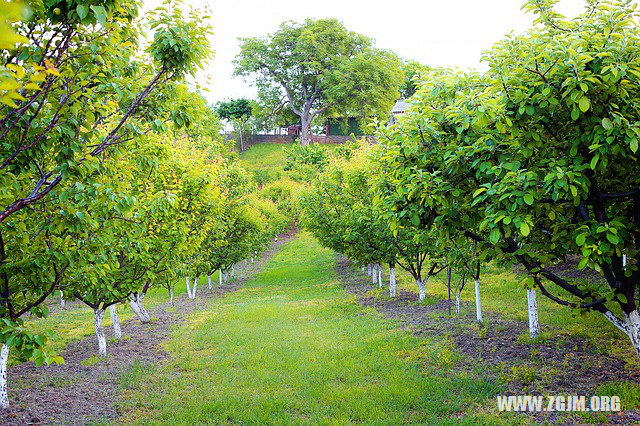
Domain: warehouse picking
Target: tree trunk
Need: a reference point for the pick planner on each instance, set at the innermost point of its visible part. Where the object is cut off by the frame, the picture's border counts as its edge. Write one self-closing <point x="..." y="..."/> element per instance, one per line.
<point x="305" y="134"/>
<point x="374" y="274"/>
<point x="449" y="287"/>
<point x="117" y="331"/>
<point x="98" y="316"/>
<point x="188" y="287"/>
<point x="534" y="326"/>
<point x="392" y="280"/>
<point x="233" y="270"/>
<point x="422" y="288"/>
<point x="4" y="394"/>
<point x="478" y="303"/>
<point x="195" y="287"/>
<point x="209" y="282"/>
<point x="379" y="275"/>
<point x="457" y="295"/>
<point x="220" y="277"/>
<point x="135" y="302"/>
<point x="171" y="295"/>
<point x="633" y="324"/>
<point x="369" y="269"/>
<point x="362" y="269"/>
<point x="61" y="300"/>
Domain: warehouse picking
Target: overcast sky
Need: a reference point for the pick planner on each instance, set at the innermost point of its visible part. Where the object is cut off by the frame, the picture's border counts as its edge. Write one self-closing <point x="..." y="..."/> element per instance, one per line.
<point x="433" y="32"/>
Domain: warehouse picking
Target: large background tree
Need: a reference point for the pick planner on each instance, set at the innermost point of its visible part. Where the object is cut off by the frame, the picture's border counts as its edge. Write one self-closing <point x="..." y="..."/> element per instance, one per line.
<point x="322" y="68"/>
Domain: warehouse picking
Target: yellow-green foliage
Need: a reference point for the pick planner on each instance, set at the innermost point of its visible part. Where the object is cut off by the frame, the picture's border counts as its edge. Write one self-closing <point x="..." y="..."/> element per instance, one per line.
<point x="284" y="193"/>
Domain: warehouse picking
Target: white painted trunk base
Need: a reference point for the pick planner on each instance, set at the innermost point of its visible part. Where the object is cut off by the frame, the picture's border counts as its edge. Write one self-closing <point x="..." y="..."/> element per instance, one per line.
<point x="135" y="302"/>
<point x="171" y="295"/>
<point x="380" y="276"/>
<point x="369" y="269"/>
<point x="532" y="303"/>
<point x="392" y="281"/>
<point x="195" y="286"/>
<point x="62" y="303"/>
<point x="374" y="274"/>
<point x="633" y="326"/>
<point x="188" y="287"/>
<point x="98" y="316"/>
<point x="220" y="277"/>
<point x="457" y="295"/>
<point x="209" y="282"/>
<point x="117" y="331"/>
<point x="4" y="391"/>
<point x="422" y="289"/>
<point x="478" y="302"/>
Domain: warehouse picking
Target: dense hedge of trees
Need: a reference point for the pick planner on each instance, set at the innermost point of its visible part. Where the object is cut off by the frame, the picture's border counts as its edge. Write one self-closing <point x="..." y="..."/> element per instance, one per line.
<point x="114" y="178"/>
<point x="529" y="163"/>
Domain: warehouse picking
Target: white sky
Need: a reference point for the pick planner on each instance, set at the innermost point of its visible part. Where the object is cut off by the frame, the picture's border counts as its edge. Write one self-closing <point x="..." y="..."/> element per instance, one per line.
<point x="433" y="32"/>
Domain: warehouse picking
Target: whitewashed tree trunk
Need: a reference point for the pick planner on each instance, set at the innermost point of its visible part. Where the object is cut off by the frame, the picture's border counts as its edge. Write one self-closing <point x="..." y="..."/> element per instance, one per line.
<point x="135" y="302"/>
<point x="392" y="281"/>
<point x="369" y="269"/>
<point x="362" y="269"/>
<point x="171" y="295"/>
<point x="98" y="316"/>
<point x="188" y="287"/>
<point x="220" y="277"/>
<point x="457" y="295"/>
<point x="195" y="286"/>
<point x="532" y="303"/>
<point x="233" y="270"/>
<point x="478" y="302"/>
<point x="251" y="259"/>
<point x="209" y="282"/>
<point x="422" y="289"/>
<point x="633" y="325"/>
<point x="380" y="275"/>
<point x="117" y="331"/>
<point x="225" y="275"/>
<point x="374" y="274"/>
<point x="4" y="394"/>
<point x="62" y="303"/>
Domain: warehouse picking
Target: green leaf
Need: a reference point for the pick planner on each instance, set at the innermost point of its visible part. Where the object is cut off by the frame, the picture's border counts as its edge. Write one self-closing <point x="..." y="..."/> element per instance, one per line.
<point x="524" y="229"/>
<point x="607" y="124"/>
<point x="575" y="114"/>
<point x="494" y="236"/>
<point x="634" y="145"/>
<point x="82" y="11"/>
<point x="528" y="198"/>
<point x="583" y="262"/>
<point x="613" y="239"/>
<point x="584" y="104"/>
<point x="581" y="239"/>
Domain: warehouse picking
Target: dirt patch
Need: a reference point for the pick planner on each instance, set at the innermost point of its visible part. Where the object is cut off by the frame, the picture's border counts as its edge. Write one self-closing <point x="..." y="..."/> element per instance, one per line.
<point x="560" y="365"/>
<point x="82" y="390"/>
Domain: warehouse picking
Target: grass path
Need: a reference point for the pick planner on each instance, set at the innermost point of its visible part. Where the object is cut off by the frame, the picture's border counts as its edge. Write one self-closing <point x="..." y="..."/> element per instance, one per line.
<point x="293" y="347"/>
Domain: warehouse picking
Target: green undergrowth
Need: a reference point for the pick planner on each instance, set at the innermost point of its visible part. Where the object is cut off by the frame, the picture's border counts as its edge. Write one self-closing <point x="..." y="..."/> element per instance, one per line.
<point x="291" y="347"/>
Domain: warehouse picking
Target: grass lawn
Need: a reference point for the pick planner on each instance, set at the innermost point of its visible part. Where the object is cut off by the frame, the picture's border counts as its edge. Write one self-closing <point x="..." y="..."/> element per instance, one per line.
<point x="293" y="347"/>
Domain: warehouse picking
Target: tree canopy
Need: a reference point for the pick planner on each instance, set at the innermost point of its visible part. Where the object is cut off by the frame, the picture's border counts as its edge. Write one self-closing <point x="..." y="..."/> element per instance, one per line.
<point x="323" y="68"/>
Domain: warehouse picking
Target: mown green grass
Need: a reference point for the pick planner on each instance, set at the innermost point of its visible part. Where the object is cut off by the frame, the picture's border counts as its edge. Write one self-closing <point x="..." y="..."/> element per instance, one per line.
<point x="293" y="347"/>
<point x="76" y="322"/>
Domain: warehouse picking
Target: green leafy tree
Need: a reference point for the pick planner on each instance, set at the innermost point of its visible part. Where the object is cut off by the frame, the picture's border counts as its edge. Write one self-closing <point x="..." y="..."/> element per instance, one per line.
<point x="322" y="68"/>
<point x="72" y="107"/>
<point x="237" y="111"/>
